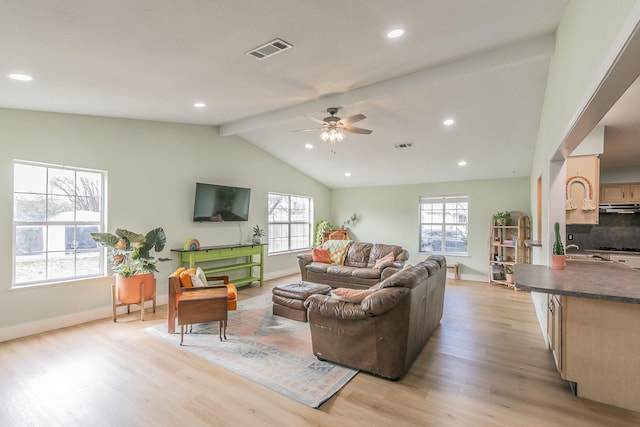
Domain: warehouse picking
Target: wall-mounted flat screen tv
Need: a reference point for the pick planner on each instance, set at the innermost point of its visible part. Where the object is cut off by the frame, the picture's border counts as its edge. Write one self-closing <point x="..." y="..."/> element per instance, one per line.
<point x="219" y="203"/>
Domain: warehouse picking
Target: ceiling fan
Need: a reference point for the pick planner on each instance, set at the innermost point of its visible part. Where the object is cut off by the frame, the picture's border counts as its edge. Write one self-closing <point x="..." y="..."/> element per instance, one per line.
<point x="334" y="127"/>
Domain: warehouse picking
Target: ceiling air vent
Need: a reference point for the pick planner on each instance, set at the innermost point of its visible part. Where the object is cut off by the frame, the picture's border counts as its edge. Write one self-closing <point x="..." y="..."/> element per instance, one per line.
<point x="403" y="145"/>
<point x="269" y="49"/>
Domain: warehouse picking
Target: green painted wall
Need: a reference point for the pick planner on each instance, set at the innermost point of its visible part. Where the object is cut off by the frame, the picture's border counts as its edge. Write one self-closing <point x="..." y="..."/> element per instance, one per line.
<point x="152" y="170"/>
<point x="389" y="214"/>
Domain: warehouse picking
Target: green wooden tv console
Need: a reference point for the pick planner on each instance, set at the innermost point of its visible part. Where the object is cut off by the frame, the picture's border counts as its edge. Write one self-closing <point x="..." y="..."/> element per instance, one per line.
<point x="220" y="259"/>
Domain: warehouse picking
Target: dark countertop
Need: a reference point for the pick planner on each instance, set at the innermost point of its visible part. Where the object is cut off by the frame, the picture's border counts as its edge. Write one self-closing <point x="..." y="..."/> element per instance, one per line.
<point x="598" y="280"/>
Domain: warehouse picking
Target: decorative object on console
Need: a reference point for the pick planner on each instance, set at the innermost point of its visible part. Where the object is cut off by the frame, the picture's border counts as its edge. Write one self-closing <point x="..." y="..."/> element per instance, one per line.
<point x="131" y="260"/>
<point x="192" y="245"/>
<point x="558" y="257"/>
<point x="257" y="234"/>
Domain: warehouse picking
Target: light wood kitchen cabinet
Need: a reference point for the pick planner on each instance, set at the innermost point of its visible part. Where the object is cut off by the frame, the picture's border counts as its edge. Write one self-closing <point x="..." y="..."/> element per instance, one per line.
<point x="554" y="330"/>
<point x="582" y="190"/>
<point x="595" y="347"/>
<point x="620" y="193"/>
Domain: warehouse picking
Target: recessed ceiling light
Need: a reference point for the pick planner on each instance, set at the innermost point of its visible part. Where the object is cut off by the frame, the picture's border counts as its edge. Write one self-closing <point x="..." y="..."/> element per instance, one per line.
<point x="347" y="174"/>
<point x="21" y="77"/>
<point x="448" y="122"/>
<point x="395" y="33"/>
<point x="199" y="105"/>
<point x="309" y="146"/>
<point x="462" y="163"/>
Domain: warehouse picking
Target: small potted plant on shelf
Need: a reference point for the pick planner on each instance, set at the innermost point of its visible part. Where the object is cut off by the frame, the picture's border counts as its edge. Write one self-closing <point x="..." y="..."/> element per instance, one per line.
<point x="502" y="218"/>
<point x="257" y="234"/>
<point x="508" y="271"/>
<point x="131" y="260"/>
<point x="558" y="257"/>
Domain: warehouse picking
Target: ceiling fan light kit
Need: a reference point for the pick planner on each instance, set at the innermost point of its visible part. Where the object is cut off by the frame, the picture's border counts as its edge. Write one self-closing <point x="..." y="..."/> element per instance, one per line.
<point x="335" y="128"/>
<point x="332" y="135"/>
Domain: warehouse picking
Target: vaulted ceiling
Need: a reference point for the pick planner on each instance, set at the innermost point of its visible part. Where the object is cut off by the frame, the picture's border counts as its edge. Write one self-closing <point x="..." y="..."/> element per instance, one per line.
<point x="481" y="63"/>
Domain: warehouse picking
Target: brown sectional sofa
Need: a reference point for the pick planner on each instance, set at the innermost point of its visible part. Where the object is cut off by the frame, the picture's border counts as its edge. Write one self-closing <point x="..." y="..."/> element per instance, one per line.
<point x="357" y="272"/>
<point x="385" y="332"/>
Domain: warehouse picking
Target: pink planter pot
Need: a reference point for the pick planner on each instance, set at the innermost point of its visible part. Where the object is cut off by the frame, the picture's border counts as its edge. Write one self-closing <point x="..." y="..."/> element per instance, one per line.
<point x="558" y="262"/>
<point x="128" y="288"/>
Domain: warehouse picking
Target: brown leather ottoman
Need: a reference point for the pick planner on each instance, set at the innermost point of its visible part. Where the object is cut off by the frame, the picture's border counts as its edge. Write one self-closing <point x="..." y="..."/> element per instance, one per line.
<point x="288" y="300"/>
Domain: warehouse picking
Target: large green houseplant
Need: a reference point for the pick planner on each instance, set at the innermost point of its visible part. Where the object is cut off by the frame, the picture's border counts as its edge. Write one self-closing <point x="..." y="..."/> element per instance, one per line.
<point x="129" y="256"/>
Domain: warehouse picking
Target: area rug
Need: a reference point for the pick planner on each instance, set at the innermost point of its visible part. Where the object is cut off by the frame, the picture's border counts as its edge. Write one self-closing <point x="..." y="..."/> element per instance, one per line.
<point x="270" y="350"/>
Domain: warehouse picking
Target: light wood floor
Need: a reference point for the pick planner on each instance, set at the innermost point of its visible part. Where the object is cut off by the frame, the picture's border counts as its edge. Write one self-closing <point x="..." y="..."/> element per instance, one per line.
<point x="486" y="365"/>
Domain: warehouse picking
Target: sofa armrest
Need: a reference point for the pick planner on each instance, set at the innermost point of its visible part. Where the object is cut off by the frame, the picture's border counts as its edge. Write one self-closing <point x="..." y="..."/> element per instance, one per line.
<point x="303" y="260"/>
<point x="332" y="307"/>
<point x="383" y="300"/>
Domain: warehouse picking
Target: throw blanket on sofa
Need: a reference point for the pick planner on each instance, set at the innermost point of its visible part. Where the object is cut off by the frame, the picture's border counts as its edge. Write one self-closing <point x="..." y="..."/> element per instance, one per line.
<point x="337" y="250"/>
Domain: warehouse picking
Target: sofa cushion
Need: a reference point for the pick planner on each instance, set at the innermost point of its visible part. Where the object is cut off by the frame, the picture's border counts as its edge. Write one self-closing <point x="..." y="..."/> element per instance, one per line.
<point x="351" y="295"/>
<point x="185" y="277"/>
<point x="366" y="273"/>
<point x="321" y="255"/>
<point x="358" y="254"/>
<point x="337" y="250"/>
<point x="406" y="278"/>
<point x="379" y="250"/>
<point x="341" y="270"/>
<point x="318" y="267"/>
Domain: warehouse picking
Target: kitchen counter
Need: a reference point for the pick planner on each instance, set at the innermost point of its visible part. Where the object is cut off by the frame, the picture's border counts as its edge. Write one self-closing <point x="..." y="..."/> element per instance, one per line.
<point x="587" y="279"/>
<point x="590" y="316"/>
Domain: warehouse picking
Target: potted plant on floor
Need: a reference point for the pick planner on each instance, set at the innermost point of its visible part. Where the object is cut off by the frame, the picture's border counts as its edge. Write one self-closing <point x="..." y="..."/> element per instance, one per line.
<point x="258" y="233"/>
<point x="130" y="259"/>
<point x="558" y="257"/>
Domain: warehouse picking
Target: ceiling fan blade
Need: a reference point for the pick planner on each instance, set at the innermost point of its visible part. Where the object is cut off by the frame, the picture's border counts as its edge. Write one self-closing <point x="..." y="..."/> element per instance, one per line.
<point x="352" y="129"/>
<point x="322" y="122"/>
<point x="308" y="130"/>
<point x="352" y="119"/>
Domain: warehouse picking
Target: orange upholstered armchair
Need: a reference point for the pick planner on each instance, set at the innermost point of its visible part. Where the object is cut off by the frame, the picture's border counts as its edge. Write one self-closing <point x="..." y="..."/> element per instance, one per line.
<point x="180" y="281"/>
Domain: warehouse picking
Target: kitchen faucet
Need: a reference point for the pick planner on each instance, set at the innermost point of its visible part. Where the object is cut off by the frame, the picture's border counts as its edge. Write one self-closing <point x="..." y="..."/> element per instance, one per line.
<point x="571" y="246"/>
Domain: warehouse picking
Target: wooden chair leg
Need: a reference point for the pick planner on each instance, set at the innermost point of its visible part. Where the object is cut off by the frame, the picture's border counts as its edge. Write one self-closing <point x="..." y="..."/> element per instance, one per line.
<point x="113" y="301"/>
<point x="181" y="334"/>
<point x="142" y="301"/>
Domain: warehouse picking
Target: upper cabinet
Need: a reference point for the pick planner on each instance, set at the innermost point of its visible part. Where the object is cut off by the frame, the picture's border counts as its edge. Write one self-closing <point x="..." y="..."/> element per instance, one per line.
<point x="620" y="193"/>
<point x="582" y="195"/>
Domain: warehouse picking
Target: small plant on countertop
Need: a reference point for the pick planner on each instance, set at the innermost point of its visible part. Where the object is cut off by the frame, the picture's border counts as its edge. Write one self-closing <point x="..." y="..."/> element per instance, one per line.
<point x="558" y="249"/>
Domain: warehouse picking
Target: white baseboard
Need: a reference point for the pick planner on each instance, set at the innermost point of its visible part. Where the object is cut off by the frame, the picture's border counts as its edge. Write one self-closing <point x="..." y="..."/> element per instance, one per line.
<point x="31" y="328"/>
<point x="39" y="326"/>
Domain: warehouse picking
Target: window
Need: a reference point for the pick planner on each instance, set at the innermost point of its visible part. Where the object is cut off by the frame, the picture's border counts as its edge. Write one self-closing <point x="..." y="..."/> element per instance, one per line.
<point x="290" y="221"/>
<point x="444" y="224"/>
<point x="55" y="208"/>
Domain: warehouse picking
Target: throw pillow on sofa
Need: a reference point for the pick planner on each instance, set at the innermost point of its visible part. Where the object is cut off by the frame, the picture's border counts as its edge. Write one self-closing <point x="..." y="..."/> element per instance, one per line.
<point x="385" y="261"/>
<point x="321" y="255"/>
<point x="351" y="295"/>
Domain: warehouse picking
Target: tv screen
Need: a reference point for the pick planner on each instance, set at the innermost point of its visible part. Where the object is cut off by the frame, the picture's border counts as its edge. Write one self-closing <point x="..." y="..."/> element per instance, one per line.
<point x="218" y="203"/>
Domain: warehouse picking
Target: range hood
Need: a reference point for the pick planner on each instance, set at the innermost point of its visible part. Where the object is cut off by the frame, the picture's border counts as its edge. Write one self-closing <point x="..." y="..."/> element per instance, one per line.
<point x="626" y="208"/>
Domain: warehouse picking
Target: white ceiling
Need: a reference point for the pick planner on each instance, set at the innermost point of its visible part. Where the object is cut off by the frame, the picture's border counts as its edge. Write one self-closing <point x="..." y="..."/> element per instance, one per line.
<point x="482" y="63"/>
